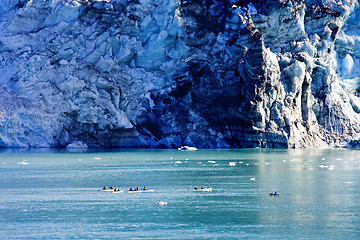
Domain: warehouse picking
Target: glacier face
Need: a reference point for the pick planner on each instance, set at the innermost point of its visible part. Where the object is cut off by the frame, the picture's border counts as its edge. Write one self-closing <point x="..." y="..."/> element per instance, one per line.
<point x="163" y="73"/>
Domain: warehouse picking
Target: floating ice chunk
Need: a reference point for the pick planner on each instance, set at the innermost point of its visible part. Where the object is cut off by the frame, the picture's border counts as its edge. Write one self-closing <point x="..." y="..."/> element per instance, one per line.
<point x="76" y="145"/>
<point x="187" y="148"/>
<point x="97" y="158"/>
<point x="211" y="162"/>
<point x="178" y="162"/>
<point x="24" y="162"/>
<point x="232" y="163"/>
<point x="323" y="166"/>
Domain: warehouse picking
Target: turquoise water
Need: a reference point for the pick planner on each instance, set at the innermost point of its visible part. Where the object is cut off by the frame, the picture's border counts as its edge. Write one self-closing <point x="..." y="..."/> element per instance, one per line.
<point x="57" y="194"/>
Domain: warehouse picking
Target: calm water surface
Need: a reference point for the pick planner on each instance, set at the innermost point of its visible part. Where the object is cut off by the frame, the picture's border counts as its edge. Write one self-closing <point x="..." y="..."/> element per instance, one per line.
<point x="57" y="194"/>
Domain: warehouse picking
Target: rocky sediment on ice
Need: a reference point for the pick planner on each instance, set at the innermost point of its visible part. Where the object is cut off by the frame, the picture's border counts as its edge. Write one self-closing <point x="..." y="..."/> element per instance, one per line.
<point x="165" y="73"/>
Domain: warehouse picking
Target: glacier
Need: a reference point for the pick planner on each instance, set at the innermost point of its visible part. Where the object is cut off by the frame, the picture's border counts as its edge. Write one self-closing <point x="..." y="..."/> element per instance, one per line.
<point x="166" y="73"/>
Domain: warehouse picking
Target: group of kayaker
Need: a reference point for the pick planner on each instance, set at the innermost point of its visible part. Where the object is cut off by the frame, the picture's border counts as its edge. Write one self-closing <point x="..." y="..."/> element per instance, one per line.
<point x="111" y="188"/>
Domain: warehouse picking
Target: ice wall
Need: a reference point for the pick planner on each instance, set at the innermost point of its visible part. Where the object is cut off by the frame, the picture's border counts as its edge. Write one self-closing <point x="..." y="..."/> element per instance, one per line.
<point x="156" y="73"/>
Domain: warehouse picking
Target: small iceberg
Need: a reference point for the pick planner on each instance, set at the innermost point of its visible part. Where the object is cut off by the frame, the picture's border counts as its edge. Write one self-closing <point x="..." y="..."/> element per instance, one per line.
<point x="178" y="162"/>
<point x="24" y="162"/>
<point x="77" y="146"/>
<point x="232" y="163"/>
<point x="187" y="148"/>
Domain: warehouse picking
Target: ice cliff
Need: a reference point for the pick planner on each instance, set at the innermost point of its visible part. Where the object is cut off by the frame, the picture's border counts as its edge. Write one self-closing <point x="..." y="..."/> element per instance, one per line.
<point x="162" y="73"/>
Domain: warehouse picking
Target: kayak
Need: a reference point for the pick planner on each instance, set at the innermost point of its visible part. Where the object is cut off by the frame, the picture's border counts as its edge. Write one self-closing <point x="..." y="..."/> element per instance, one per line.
<point x="274" y="194"/>
<point x="118" y="191"/>
<point x="108" y="190"/>
<point x="162" y="203"/>
<point x="147" y="190"/>
<point x="140" y="191"/>
<point x="204" y="189"/>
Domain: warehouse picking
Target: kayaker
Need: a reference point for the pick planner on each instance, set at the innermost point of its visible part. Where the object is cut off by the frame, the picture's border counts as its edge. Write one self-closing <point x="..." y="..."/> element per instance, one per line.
<point x="104" y="188"/>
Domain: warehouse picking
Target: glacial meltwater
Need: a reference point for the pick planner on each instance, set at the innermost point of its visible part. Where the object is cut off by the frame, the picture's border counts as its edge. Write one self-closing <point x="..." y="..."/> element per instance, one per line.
<point x="48" y="194"/>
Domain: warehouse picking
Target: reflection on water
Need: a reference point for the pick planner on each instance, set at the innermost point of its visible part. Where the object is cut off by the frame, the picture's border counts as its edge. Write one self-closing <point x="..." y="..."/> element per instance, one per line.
<point x="57" y="194"/>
